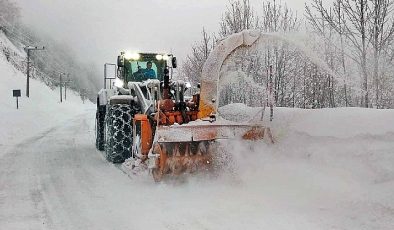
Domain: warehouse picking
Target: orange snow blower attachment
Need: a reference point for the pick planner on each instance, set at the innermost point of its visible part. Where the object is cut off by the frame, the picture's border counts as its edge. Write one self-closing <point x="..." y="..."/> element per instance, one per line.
<point x="191" y="147"/>
<point x="143" y="129"/>
<point x="182" y="136"/>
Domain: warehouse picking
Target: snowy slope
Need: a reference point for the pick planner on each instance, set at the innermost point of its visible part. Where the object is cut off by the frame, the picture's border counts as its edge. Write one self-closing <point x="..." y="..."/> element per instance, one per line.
<point x="37" y="113"/>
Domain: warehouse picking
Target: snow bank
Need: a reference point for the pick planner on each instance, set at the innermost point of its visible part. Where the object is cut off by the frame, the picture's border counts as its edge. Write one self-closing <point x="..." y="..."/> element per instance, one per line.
<point x="36" y="114"/>
<point x="329" y="169"/>
<point x="337" y="122"/>
<point x="341" y="122"/>
<point x="239" y="112"/>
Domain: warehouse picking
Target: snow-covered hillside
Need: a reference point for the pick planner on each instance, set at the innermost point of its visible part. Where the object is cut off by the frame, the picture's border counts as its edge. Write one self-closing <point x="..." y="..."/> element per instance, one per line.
<point x="41" y="111"/>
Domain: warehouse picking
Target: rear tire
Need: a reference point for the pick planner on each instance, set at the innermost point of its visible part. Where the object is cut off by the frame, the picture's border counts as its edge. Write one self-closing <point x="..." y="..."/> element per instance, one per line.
<point x="119" y="132"/>
<point x="100" y="116"/>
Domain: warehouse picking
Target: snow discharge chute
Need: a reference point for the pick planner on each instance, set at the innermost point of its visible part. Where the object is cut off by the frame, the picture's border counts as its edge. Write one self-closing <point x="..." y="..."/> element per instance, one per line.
<point x="210" y="77"/>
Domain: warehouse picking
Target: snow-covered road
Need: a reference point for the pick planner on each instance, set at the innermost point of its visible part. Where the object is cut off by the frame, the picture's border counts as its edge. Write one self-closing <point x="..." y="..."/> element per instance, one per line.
<point x="57" y="180"/>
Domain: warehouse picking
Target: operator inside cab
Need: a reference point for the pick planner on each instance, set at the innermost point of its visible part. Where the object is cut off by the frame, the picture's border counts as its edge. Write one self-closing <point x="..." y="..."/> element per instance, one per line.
<point x="149" y="73"/>
<point x="144" y="74"/>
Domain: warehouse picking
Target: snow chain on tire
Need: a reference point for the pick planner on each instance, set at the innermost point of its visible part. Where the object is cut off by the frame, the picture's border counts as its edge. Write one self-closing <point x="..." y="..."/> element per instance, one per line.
<point x="100" y="115"/>
<point x="119" y="132"/>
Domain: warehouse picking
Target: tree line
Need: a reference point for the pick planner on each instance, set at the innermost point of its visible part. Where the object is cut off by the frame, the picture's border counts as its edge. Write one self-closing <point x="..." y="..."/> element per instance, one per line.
<point x="336" y="55"/>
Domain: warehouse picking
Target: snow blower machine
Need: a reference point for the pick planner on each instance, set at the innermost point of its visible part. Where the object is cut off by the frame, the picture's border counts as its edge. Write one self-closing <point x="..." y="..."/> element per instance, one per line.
<point x="144" y="116"/>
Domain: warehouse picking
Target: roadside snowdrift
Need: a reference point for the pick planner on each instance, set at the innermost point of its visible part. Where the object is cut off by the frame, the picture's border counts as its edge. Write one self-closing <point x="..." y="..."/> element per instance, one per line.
<point x="37" y="113"/>
<point x="329" y="169"/>
<point x="338" y="122"/>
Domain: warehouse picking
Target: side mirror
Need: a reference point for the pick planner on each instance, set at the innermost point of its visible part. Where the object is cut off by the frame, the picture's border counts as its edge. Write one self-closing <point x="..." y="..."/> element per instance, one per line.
<point x="120" y="61"/>
<point x="174" y="62"/>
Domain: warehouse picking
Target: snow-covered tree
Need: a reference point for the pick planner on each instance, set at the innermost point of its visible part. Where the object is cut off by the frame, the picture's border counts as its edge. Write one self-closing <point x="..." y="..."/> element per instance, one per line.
<point x="351" y="62"/>
<point x="192" y="66"/>
<point x="239" y="16"/>
<point x="365" y="29"/>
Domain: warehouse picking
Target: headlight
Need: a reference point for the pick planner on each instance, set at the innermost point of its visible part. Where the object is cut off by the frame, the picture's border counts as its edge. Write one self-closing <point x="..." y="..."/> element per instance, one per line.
<point x="133" y="56"/>
<point x="128" y="55"/>
<point x="118" y="83"/>
<point x="159" y="57"/>
<point x="165" y="57"/>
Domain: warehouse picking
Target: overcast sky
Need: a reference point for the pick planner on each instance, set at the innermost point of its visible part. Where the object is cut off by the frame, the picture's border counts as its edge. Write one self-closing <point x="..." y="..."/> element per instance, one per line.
<point x="99" y="29"/>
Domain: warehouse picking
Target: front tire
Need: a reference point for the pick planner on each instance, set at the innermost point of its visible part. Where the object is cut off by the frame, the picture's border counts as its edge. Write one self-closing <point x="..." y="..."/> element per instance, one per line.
<point x="119" y="132"/>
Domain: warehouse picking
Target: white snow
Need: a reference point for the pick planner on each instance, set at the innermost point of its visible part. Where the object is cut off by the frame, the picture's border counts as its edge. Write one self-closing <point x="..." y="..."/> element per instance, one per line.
<point x="239" y="112"/>
<point x="329" y="169"/>
<point x="338" y="122"/>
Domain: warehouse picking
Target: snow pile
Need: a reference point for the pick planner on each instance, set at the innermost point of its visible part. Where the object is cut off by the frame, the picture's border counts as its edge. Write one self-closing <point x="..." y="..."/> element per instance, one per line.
<point x="338" y="122"/>
<point x="239" y="112"/>
<point x="36" y="114"/>
<point x="342" y="122"/>
<point x="329" y="169"/>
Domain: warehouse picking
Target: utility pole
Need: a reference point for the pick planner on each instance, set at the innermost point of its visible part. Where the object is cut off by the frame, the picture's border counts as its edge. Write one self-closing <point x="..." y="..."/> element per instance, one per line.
<point x="29" y="49"/>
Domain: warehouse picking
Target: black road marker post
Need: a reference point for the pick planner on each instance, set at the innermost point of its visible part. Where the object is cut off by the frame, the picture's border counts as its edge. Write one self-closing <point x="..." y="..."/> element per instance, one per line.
<point x="16" y="93"/>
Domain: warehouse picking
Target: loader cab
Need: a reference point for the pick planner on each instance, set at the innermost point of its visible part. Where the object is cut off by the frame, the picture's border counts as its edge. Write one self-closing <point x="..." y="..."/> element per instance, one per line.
<point x="139" y="67"/>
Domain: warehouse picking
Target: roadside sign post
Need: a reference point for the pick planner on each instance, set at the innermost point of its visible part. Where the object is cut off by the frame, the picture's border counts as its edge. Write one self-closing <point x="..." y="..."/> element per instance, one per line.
<point x="16" y="93"/>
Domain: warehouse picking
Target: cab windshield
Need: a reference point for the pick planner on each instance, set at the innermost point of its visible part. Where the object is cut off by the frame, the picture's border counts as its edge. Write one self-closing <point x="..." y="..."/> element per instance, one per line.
<point x="147" y="67"/>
